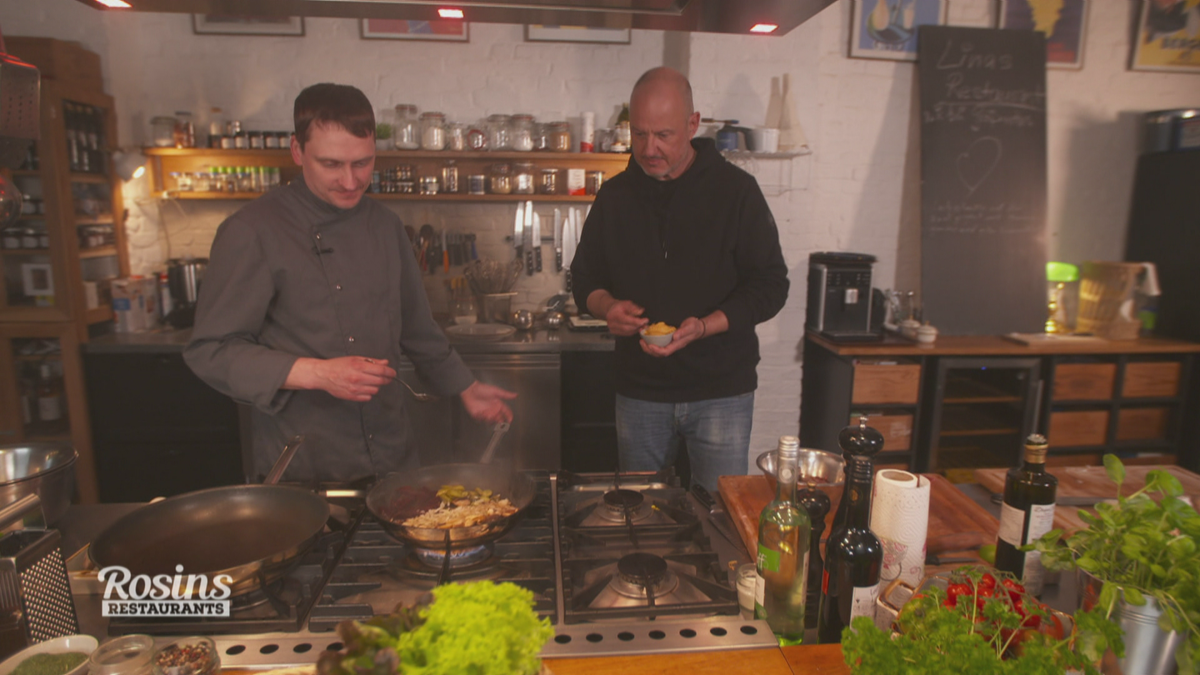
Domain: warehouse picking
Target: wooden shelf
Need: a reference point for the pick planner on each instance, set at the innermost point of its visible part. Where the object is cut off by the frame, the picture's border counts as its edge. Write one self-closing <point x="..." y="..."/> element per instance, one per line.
<point x="25" y="251"/>
<point x="97" y="178"/>
<point x="99" y="314"/>
<point x="98" y="252"/>
<point x="103" y="220"/>
<point x="401" y="154"/>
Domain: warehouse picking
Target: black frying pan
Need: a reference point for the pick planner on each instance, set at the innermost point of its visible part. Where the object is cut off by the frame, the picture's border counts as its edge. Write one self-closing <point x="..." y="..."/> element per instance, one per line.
<point x="400" y="496"/>
<point x="250" y="532"/>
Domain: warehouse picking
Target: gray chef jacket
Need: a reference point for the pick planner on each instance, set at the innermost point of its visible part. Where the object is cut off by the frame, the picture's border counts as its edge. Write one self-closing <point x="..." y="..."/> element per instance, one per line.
<point x="292" y="276"/>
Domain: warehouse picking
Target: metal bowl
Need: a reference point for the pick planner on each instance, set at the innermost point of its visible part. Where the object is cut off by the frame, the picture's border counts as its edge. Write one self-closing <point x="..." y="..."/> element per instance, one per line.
<point x="47" y="469"/>
<point x="816" y="467"/>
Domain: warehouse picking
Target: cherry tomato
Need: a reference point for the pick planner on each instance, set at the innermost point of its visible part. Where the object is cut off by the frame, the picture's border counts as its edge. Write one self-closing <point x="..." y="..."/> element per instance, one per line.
<point x="981" y="597"/>
<point x="953" y="591"/>
<point x="1029" y="620"/>
<point x="1014" y="589"/>
<point x="987" y="581"/>
<point x="950" y="602"/>
<point x="1052" y="626"/>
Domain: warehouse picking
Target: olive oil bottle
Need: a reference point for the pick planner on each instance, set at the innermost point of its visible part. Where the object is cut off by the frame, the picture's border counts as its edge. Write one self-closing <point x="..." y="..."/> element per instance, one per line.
<point x="1026" y="515"/>
<point x="783" y="541"/>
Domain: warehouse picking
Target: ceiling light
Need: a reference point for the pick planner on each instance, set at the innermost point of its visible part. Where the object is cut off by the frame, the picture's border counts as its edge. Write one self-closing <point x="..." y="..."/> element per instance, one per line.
<point x="115" y="4"/>
<point x="763" y="28"/>
<point x="450" y="13"/>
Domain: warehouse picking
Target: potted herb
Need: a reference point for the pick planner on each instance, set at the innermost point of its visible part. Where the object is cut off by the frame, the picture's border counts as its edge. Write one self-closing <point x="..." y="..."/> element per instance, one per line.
<point x="977" y="622"/>
<point x="383" y="136"/>
<point x="1144" y="552"/>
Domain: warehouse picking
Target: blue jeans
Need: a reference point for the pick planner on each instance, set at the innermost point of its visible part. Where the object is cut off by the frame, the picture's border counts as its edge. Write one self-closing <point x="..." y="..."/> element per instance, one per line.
<point x="717" y="432"/>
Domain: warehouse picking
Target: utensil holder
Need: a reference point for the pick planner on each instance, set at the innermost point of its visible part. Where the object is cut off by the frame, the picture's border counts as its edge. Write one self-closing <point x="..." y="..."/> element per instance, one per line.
<point x="1104" y="288"/>
<point x="495" y="307"/>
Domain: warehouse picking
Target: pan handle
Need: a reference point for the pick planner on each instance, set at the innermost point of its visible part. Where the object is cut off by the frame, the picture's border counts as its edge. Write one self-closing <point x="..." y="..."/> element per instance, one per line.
<point x="285" y="458"/>
<point x="500" y="429"/>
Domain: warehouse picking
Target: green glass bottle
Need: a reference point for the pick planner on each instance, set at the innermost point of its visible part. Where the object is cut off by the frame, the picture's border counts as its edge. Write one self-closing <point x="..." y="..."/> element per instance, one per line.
<point x="783" y="541"/>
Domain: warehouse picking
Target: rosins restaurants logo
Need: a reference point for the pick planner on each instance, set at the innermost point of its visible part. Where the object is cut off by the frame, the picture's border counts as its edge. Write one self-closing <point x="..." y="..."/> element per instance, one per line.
<point x="163" y="595"/>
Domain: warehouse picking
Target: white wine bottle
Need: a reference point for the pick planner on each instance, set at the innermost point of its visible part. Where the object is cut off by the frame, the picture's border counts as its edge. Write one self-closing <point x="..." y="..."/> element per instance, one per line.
<point x="783" y="540"/>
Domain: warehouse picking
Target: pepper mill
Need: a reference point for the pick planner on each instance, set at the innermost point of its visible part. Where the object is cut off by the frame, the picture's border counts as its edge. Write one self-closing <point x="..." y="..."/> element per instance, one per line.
<point x="859" y="443"/>
<point x="817" y="503"/>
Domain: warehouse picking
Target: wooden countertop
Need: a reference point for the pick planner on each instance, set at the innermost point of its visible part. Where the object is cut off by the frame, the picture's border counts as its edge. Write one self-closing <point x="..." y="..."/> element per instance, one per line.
<point x="1092" y="481"/>
<point x="803" y="660"/>
<point x="995" y="345"/>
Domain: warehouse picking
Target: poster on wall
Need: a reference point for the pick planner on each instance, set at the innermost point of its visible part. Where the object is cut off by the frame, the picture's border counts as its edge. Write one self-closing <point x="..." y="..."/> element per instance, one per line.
<point x="238" y="24"/>
<point x="1168" y="36"/>
<point x="1063" y="22"/>
<point x="402" y="29"/>
<point x="887" y="29"/>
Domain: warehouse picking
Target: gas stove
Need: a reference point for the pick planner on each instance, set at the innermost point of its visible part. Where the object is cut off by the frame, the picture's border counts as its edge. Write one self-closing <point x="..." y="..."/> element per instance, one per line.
<point x="620" y="564"/>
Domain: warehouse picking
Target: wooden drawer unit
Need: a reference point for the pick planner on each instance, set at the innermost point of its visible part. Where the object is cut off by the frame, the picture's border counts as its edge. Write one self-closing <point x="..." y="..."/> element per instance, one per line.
<point x="1084" y="381"/>
<point x="896" y="429"/>
<point x="1144" y="379"/>
<point x="1143" y="424"/>
<point x="886" y="383"/>
<point x="1083" y="427"/>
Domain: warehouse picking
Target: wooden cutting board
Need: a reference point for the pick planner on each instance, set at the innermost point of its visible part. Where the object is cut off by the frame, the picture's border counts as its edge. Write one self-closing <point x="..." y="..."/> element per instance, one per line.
<point x="951" y="513"/>
<point x="1092" y="481"/>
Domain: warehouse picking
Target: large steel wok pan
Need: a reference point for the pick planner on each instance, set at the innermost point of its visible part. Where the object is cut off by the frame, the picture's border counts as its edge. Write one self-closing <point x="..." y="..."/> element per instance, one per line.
<point x="250" y="532"/>
<point x="400" y="496"/>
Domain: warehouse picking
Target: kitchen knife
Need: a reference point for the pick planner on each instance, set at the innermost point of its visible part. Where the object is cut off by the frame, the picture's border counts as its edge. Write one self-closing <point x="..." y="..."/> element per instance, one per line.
<point x="518" y="231"/>
<point x="445" y="254"/>
<point x="528" y="234"/>
<point x="537" y="241"/>
<point x="558" y="239"/>
<point x="717" y="516"/>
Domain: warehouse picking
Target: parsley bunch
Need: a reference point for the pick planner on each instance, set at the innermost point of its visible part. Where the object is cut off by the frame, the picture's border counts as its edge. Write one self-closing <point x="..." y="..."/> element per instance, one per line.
<point x="995" y="629"/>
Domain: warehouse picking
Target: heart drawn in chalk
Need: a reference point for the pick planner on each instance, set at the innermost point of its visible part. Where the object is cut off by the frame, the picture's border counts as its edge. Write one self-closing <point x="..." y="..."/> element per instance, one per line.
<point x="978" y="162"/>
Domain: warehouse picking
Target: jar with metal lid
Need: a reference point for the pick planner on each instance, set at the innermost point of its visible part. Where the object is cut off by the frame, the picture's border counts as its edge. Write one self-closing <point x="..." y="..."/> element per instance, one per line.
<point x="187" y="656"/>
<point x="456" y="137"/>
<point x="499" y="132"/>
<point x="257" y="142"/>
<point x="10" y="237"/>
<point x="450" y="177"/>
<point x="476" y="184"/>
<point x="241" y="141"/>
<point x="429" y="185"/>
<point x="125" y="655"/>
<point x="407" y="134"/>
<point x="548" y="185"/>
<point x="560" y="136"/>
<point x="523" y="178"/>
<point x="522" y="132"/>
<point x="162" y="131"/>
<point x="594" y="180"/>
<point x="501" y="179"/>
<point x="477" y="138"/>
<point x="201" y="181"/>
<point x="433" y="131"/>
<point x="185" y="130"/>
<point x="270" y="140"/>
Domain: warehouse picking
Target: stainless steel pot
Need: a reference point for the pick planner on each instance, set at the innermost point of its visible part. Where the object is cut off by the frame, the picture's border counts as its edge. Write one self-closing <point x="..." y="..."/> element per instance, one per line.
<point x="45" y="469"/>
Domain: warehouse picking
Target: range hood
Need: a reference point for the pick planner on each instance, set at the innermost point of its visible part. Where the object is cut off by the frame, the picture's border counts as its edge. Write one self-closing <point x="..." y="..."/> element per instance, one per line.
<point x="708" y="16"/>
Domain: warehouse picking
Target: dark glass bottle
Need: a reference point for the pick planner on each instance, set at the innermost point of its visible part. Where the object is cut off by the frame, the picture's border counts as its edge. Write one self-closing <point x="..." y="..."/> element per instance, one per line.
<point x="783" y="541"/>
<point x="854" y="440"/>
<point x="853" y="559"/>
<point x="1026" y="515"/>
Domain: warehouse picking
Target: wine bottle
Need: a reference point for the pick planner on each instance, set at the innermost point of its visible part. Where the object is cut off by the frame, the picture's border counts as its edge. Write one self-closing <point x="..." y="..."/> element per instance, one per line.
<point x="853" y="559"/>
<point x="49" y="395"/>
<point x="1026" y="515"/>
<point x="783" y="540"/>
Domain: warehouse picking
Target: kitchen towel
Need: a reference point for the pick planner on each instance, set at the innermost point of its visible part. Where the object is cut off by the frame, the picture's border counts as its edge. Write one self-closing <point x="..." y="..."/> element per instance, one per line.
<point x="900" y="518"/>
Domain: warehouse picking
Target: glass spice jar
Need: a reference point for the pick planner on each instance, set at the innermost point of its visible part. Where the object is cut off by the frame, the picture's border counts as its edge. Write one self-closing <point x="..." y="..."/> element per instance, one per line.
<point x="523" y="178"/>
<point x="549" y="182"/>
<point x="501" y="179"/>
<point x="407" y="134"/>
<point x="560" y="136"/>
<point x="522" y="132"/>
<point x="499" y="132"/>
<point x="433" y="131"/>
<point x="456" y="137"/>
<point x="162" y="131"/>
<point x="450" y="177"/>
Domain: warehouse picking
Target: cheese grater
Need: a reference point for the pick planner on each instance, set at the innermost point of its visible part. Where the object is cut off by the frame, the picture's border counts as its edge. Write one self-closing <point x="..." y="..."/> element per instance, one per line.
<point x="35" y="592"/>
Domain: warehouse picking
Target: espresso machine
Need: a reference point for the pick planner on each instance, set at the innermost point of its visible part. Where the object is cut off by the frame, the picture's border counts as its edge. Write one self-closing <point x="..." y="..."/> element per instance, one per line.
<point x="840" y="301"/>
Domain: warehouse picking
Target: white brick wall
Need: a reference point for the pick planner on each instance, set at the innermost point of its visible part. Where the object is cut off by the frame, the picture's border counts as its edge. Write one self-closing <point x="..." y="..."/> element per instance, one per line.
<point x="857" y="191"/>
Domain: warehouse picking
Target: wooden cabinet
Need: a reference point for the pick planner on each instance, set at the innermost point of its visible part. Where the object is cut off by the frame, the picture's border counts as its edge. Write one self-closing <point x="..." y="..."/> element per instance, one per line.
<point x="967" y="402"/>
<point x="168" y="161"/>
<point x="53" y="286"/>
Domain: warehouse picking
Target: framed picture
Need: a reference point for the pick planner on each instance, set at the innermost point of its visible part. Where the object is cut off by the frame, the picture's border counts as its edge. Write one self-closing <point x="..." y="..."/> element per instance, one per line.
<point x="887" y="29"/>
<point x="1166" y="37"/>
<point x="240" y="24"/>
<point x="37" y="278"/>
<point x="540" y="33"/>
<point x="403" y="29"/>
<point x="1062" y="22"/>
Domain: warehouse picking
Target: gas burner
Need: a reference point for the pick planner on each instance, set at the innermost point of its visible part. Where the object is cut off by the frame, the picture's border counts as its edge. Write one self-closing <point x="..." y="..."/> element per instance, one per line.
<point x="643" y="576"/>
<point x="460" y="558"/>
<point x="621" y="502"/>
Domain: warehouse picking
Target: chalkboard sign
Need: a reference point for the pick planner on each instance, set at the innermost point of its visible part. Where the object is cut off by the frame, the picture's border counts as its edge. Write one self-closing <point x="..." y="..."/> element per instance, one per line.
<point x="983" y="179"/>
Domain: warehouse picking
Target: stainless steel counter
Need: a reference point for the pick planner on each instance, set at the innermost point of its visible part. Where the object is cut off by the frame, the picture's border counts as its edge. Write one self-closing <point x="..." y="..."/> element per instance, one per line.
<point x="533" y="341"/>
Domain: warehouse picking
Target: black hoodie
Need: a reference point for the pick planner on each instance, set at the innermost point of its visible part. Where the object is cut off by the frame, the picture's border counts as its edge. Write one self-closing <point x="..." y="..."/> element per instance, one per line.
<point x="681" y="248"/>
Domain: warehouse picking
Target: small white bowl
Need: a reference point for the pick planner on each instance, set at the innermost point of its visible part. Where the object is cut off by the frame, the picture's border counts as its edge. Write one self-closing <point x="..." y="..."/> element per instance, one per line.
<point x="84" y="644"/>
<point x="658" y="340"/>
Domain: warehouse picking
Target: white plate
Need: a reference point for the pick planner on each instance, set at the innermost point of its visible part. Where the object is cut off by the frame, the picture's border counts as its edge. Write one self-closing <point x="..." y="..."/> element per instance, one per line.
<point x="477" y="331"/>
<point x="85" y="644"/>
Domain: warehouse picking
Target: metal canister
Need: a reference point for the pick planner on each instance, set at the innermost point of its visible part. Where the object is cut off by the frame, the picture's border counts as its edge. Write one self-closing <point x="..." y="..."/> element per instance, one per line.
<point x="476" y="184"/>
<point x="429" y="185"/>
<point x="594" y="180"/>
<point x="548" y="185"/>
<point x="450" y="177"/>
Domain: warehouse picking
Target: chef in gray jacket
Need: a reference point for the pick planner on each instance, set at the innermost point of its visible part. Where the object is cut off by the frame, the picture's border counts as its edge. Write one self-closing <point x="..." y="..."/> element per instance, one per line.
<point x="310" y="295"/>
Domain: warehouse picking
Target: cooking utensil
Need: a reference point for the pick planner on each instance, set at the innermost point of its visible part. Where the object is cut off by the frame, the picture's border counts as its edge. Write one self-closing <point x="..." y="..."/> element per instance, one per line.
<point x="558" y="241"/>
<point x="498" y="432"/>
<point x="519" y="232"/>
<point x="816" y="467"/>
<point x="42" y="468"/>
<point x="253" y="533"/>
<point x="425" y="239"/>
<point x="419" y="395"/>
<point x="717" y="516"/>
<point x="489" y="277"/>
<point x="400" y="496"/>
<point x="527" y="235"/>
<point x="445" y="254"/>
<point x="537" y="242"/>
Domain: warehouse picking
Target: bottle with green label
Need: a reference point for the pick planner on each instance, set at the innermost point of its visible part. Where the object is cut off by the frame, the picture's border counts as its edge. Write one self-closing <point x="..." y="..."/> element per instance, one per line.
<point x="783" y="541"/>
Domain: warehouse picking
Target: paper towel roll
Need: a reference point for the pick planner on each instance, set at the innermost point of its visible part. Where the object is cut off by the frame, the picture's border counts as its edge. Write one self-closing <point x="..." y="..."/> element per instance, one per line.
<point x="900" y="518"/>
